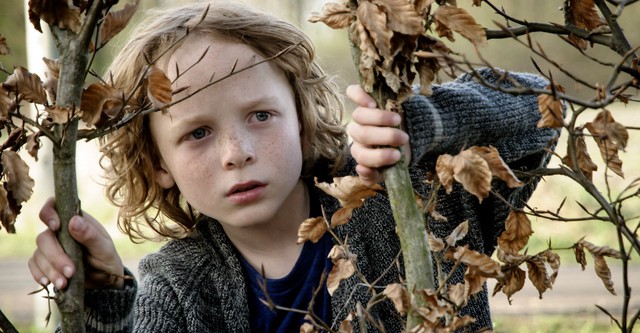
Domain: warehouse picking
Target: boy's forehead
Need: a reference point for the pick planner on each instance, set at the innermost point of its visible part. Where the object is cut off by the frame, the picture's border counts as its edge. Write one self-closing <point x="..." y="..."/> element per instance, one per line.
<point x="206" y="56"/>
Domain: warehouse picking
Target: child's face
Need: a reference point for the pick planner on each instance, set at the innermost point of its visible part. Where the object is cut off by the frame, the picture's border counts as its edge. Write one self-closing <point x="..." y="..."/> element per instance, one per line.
<point x="233" y="149"/>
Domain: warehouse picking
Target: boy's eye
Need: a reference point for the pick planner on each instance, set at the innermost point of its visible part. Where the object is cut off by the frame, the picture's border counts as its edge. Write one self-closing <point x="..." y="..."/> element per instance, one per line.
<point x="198" y="133"/>
<point x="262" y="116"/>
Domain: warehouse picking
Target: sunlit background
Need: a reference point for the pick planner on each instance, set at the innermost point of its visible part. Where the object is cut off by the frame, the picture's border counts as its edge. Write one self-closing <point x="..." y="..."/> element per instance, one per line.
<point x="548" y="315"/>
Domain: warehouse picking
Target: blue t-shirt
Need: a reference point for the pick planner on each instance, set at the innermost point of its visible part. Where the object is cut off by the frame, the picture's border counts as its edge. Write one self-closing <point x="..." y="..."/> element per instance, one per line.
<point x="293" y="291"/>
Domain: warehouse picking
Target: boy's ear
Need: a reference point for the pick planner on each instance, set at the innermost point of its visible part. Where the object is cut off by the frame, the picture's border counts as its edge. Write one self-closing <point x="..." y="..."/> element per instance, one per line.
<point x="164" y="177"/>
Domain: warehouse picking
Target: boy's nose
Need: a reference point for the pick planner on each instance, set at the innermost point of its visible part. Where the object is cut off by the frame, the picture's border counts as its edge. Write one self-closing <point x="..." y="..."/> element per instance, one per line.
<point x="238" y="151"/>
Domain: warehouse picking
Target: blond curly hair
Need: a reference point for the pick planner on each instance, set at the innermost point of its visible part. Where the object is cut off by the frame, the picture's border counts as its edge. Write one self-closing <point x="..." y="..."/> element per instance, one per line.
<point x="130" y="157"/>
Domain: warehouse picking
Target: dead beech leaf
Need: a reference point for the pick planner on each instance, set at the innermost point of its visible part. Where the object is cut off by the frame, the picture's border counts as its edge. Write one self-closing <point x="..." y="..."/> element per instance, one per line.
<point x="517" y="232"/>
<point x="538" y="274"/>
<point x="603" y="272"/>
<point x="159" y="89"/>
<point x="585" y="163"/>
<point x="335" y="15"/>
<point x="312" y="229"/>
<point x="553" y="260"/>
<point x="59" y="115"/>
<point x="460" y="21"/>
<point x="422" y="5"/>
<point x="584" y="15"/>
<point x="16" y="173"/>
<point x="398" y="294"/>
<point x="342" y="268"/>
<point x="53" y="67"/>
<point x="345" y="325"/>
<point x="375" y="21"/>
<point x="368" y="55"/>
<point x="26" y="85"/>
<point x="402" y="17"/>
<point x="511" y="282"/>
<point x="578" y="250"/>
<point x="57" y="13"/>
<point x="100" y="102"/>
<point x="600" y="250"/>
<point x="610" y="136"/>
<point x="435" y="244"/>
<point x="458" y="233"/>
<point x="114" y="22"/>
<point x="307" y="328"/>
<point x="33" y="145"/>
<point x="483" y="264"/>
<point x="445" y="171"/>
<point x="351" y="192"/>
<point x="5" y="104"/>
<point x="472" y="171"/>
<point x="497" y="165"/>
<point x="7" y="215"/>
<point x="550" y="109"/>
<point x="4" y="48"/>
<point x="457" y="294"/>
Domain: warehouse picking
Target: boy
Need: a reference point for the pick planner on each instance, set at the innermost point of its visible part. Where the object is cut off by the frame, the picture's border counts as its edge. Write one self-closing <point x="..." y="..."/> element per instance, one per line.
<point x="228" y="175"/>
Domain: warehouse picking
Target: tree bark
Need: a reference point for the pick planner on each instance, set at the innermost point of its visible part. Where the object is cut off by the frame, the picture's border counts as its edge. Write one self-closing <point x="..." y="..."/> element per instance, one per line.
<point x="74" y="50"/>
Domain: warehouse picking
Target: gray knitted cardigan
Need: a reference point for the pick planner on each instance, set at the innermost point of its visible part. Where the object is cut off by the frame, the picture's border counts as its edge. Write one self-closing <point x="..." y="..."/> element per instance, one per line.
<point x="197" y="285"/>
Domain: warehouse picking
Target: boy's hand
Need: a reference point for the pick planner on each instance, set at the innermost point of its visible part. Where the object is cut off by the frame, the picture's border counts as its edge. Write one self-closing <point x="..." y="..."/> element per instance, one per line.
<point x="50" y="264"/>
<point x="374" y="134"/>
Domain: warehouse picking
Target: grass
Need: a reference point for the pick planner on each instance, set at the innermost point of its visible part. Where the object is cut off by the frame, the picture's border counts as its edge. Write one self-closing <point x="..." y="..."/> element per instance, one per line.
<point x="574" y="323"/>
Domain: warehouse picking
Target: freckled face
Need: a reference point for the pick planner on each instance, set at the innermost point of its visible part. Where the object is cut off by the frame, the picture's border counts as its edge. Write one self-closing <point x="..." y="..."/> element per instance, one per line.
<point x="232" y="149"/>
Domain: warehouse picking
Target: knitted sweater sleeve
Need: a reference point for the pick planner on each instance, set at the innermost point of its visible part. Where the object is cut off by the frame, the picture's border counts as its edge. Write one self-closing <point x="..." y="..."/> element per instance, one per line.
<point x="464" y="113"/>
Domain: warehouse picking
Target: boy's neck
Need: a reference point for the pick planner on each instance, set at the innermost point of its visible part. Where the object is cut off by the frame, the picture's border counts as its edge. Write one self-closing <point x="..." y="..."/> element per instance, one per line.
<point x="273" y="245"/>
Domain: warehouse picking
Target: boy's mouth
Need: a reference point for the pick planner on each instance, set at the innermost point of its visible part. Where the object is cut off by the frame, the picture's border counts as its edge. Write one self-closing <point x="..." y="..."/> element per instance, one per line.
<point x="244" y="187"/>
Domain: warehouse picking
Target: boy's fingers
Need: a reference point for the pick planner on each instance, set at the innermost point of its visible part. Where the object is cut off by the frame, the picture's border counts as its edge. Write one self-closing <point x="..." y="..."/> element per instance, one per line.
<point x="376" y="117"/>
<point x="368" y="176"/>
<point x="377" y="136"/>
<point x="374" y="157"/>
<point x="360" y="97"/>
<point x="49" y="216"/>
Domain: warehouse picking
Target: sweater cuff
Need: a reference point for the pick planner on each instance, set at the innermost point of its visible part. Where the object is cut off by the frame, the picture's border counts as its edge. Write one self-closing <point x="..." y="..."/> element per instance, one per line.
<point x="110" y="310"/>
<point x="425" y="125"/>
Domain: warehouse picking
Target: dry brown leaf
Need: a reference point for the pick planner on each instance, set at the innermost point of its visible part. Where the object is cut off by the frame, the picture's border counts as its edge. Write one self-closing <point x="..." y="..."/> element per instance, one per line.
<point x="422" y="5"/>
<point x="458" y="233"/>
<point x="457" y="294"/>
<point x="33" y="145"/>
<point x="484" y="265"/>
<point x="16" y="173"/>
<point x="53" y="67"/>
<point x="610" y="136"/>
<point x="445" y="171"/>
<point x="511" y="282"/>
<point x="375" y="21"/>
<point x="538" y="274"/>
<point x="312" y="229"/>
<point x="472" y="171"/>
<point x="550" y="109"/>
<point x="426" y="69"/>
<point x="57" y="13"/>
<point x="159" y="89"/>
<point x="368" y="55"/>
<point x="335" y="15"/>
<point x="7" y="215"/>
<point x="434" y="308"/>
<point x="100" y="102"/>
<point x="584" y="15"/>
<point x="458" y="323"/>
<point x="59" y="115"/>
<point x="517" y="232"/>
<point x="114" y="22"/>
<point x="578" y="250"/>
<point x="474" y="280"/>
<point x="553" y="260"/>
<point x="435" y="244"/>
<point x="402" y="17"/>
<point x="585" y="164"/>
<point x="342" y="268"/>
<point x="497" y="166"/>
<point x="27" y="85"/>
<point x="603" y="272"/>
<point x="4" y="48"/>
<point x="398" y="294"/>
<point x="351" y="192"/>
<point x="345" y="325"/>
<point x="600" y="250"/>
<point x="5" y="104"/>
<point x="460" y="21"/>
